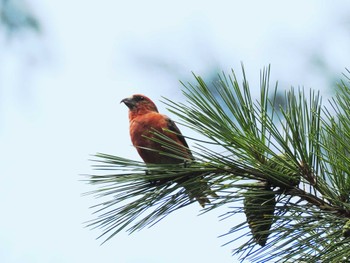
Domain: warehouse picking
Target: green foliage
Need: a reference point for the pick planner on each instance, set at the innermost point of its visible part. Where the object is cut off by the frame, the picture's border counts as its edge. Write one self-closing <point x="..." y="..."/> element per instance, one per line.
<point x="16" y="17"/>
<point x="287" y="169"/>
<point x="259" y="208"/>
<point x="298" y="152"/>
<point x="346" y="229"/>
<point x="133" y="202"/>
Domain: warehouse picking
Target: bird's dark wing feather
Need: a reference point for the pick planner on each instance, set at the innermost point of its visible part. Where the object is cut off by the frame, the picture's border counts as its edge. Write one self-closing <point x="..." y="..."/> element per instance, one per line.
<point x="172" y="127"/>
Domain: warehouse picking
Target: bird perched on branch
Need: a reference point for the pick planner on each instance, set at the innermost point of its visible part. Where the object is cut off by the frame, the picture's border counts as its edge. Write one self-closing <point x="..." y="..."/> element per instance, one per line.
<point x="159" y="141"/>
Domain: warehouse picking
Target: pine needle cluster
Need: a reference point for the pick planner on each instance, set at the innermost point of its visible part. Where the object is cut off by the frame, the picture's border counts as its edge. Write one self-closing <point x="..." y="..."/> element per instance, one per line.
<point x="285" y="167"/>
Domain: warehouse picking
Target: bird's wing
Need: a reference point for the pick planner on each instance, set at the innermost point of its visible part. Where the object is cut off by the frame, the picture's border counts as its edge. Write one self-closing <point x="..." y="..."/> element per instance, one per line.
<point x="172" y="127"/>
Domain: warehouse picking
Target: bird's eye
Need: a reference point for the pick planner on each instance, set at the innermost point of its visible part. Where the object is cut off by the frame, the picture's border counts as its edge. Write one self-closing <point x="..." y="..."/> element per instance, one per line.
<point x="139" y="98"/>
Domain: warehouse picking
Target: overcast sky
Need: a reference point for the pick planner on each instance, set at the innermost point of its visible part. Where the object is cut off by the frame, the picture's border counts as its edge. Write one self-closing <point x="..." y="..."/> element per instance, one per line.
<point x="59" y="103"/>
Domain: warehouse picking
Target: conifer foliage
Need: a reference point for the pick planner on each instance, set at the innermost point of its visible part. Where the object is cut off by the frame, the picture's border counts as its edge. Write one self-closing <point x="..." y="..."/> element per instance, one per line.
<point x="285" y="167"/>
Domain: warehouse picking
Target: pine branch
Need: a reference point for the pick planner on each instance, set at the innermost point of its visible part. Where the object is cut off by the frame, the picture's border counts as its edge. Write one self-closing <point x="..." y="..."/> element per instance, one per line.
<point x="296" y="154"/>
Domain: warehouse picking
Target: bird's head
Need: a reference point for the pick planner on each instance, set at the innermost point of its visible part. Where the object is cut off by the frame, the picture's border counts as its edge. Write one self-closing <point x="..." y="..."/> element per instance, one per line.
<point x="139" y="104"/>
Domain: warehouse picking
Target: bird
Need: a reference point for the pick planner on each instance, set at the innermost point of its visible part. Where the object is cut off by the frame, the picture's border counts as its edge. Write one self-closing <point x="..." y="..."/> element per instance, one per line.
<point x="148" y="128"/>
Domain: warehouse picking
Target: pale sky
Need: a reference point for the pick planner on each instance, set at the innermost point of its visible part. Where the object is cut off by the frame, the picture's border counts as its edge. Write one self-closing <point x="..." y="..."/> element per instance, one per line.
<point x="59" y="103"/>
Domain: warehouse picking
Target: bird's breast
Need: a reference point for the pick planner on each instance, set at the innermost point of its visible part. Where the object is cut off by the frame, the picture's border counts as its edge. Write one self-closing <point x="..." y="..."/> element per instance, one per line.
<point x="142" y="128"/>
<point x="142" y="133"/>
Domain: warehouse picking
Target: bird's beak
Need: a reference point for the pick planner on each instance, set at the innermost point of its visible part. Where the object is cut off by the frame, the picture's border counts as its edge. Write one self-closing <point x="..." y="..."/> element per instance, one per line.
<point x="129" y="102"/>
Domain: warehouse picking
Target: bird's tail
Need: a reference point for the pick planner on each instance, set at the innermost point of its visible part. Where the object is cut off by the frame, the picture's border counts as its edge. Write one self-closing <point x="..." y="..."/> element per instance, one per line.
<point x="199" y="189"/>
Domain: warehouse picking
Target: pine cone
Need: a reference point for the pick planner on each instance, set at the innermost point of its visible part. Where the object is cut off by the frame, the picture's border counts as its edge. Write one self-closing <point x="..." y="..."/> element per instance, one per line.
<point x="259" y="207"/>
<point x="346" y="229"/>
<point x="284" y="166"/>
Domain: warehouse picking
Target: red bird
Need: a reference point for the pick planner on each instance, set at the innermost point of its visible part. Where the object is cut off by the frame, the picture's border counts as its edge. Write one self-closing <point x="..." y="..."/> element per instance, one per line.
<point x="145" y="120"/>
